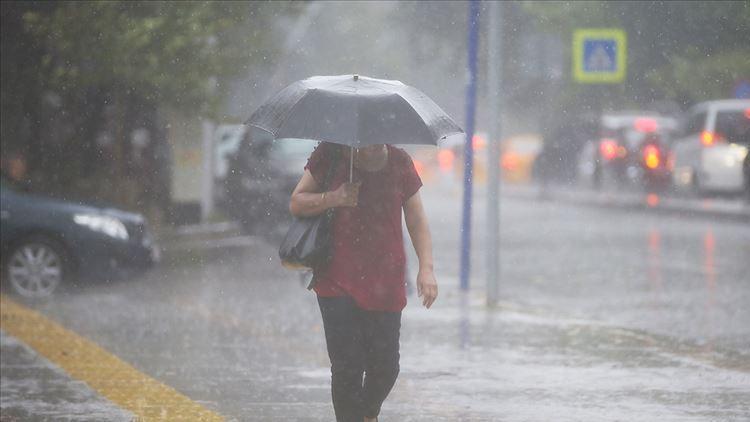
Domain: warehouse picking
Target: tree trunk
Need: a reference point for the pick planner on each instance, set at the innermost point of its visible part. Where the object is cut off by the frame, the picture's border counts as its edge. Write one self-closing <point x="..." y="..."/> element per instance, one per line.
<point x="117" y="175"/>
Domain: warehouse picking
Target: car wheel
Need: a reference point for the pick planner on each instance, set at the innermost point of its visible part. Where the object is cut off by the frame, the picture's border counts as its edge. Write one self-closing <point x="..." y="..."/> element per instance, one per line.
<point x="36" y="267"/>
<point x="596" y="177"/>
<point x="696" y="188"/>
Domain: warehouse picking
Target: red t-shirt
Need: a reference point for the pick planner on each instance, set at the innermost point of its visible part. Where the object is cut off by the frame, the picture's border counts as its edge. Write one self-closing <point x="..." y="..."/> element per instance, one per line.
<point x="368" y="260"/>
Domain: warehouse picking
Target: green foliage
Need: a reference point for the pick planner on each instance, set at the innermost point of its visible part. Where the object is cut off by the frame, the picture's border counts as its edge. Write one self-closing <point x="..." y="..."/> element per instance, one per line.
<point x="166" y="52"/>
<point x="78" y="77"/>
<point x="700" y="77"/>
<point x="685" y="51"/>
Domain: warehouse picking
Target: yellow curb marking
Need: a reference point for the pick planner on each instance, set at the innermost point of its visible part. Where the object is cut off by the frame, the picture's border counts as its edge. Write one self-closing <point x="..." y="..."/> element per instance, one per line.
<point x="82" y="359"/>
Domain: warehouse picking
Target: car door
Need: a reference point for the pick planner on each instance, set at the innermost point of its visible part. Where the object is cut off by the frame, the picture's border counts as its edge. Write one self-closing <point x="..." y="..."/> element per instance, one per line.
<point x="722" y="161"/>
<point x="8" y="213"/>
<point x="687" y="149"/>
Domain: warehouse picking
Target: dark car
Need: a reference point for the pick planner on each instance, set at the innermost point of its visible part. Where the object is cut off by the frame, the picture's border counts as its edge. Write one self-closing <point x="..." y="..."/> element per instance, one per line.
<point x="632" y="152"/>
<point x="45" y="241"/>
<point x="557" y="161"/>
<point x="261" y="177"/>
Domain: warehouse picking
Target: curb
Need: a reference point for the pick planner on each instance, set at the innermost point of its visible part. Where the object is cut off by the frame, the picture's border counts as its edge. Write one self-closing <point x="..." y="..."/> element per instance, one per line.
<point x="707" y="208"/>
<point x="207" y="228"/>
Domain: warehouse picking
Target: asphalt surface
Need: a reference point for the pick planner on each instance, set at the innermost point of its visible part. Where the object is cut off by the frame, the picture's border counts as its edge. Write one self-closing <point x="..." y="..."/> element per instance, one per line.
<point x="606" y="314"/>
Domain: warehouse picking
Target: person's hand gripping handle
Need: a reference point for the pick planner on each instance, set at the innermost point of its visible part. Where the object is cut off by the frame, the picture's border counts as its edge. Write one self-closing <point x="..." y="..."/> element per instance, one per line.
<point x="346" y="195"/>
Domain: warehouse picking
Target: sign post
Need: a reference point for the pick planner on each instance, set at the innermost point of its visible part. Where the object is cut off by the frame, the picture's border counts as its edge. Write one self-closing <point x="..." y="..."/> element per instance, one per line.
<point x="494" y="75"/>
<point x="471" y="97"/>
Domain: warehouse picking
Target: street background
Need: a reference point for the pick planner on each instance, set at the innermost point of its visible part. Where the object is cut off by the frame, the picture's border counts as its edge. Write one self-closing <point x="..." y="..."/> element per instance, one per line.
<point x="129" y="102"/>
<point x="620" y="297"/>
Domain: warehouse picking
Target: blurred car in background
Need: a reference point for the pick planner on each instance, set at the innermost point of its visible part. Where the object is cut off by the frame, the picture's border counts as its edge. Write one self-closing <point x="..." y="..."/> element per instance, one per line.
<point x="261" y="176"/>
<point x="556" y="163"/>
<point x="441" y="162"/>
<point x="227" y="140"/>
<point x="46" y="241"/>
<point x="631" y="153"/>
<point x="453" y="151"/>
<point x="517" y="157"/>
<point x="712" y="147"/>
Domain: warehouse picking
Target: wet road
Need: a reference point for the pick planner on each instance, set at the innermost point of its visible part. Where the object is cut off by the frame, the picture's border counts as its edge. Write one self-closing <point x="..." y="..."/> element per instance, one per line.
<point x="679" y="276"/>
<point x="604" y="316"/>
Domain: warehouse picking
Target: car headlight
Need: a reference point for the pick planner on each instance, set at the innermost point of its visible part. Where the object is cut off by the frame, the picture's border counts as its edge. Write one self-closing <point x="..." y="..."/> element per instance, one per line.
<point x="110" y="226"/>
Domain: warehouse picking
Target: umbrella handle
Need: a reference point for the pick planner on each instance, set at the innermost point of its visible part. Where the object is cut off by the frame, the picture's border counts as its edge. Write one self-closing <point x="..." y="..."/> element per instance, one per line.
<point x="351" y="165"/>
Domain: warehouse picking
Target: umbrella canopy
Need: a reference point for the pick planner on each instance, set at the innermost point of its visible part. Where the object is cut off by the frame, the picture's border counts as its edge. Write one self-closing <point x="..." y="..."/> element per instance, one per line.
<point x="354" y="110"/>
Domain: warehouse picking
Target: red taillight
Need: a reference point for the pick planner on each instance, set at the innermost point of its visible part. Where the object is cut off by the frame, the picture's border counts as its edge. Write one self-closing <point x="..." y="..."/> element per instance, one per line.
<point x="646" y="124"/>
<point x="709" y="138"/>
<point x="445" y="159"/>
<point x="419" y="167"/>
<point x="652" y="200"/>
<point x="510" y="161"/>
<point x="478" y="142"/>
<point x="651" y="156"/>
<point x="608" y="148"/>
<point x="747" y="113"/>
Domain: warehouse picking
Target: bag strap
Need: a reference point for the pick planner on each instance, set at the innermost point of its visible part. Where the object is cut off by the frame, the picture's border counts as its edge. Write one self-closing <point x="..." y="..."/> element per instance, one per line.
<point x="329" y="212"/>
<point x="329" y="175"/>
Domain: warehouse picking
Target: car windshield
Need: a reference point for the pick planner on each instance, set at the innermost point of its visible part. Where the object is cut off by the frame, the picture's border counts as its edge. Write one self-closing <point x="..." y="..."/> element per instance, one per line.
<point x="295" y="149"/>
<point x="734" y="126"/>
<point x="634" y="137"/>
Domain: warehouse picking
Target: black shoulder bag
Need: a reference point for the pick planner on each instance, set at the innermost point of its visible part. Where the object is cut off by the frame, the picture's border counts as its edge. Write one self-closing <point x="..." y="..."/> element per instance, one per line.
<point x="308" y="242"/>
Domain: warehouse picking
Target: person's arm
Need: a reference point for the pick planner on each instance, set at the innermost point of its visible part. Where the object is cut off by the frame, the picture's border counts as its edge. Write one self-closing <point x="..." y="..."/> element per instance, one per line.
<point x="419" y="231"/>
<point x="307" y="199"/>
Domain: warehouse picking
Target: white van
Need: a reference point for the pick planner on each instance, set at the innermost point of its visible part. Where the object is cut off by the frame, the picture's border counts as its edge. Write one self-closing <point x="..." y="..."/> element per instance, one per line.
<point x="709" y="152"/>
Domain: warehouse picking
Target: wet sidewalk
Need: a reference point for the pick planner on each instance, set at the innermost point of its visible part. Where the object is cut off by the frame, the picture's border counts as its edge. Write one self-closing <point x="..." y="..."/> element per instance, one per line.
<point x="520" y="364"/>
<point x="33" y="388"/>
<point x="460" y="362"/>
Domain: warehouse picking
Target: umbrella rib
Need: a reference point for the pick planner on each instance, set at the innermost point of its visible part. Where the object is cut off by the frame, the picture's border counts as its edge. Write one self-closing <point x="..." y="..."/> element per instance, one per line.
<point x="262" y="128"/>
<point x="291" y="109"/>
<point x="424" y="107"/>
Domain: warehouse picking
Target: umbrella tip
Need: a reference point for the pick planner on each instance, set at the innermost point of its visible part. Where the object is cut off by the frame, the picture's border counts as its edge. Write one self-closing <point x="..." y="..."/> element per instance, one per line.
<point x="356" y="77"/>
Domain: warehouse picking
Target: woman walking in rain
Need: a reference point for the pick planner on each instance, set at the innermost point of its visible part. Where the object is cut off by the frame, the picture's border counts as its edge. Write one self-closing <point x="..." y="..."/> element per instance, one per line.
<point x="361" y="291"/>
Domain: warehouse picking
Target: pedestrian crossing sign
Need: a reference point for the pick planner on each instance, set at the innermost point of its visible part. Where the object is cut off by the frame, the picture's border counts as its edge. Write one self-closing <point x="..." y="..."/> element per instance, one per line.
<point x="599" y="56"/>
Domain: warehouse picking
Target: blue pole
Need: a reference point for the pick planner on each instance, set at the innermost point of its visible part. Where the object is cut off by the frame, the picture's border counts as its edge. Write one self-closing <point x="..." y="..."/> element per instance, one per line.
<point x="471" y="97"/>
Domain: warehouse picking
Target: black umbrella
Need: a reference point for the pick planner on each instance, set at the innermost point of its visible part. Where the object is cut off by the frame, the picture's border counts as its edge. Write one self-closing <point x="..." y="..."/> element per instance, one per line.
<point x="355" y="111"/>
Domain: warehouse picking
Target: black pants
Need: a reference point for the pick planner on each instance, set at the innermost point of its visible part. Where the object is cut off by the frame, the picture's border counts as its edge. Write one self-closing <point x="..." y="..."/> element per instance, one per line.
<point x="360" y="343"/>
